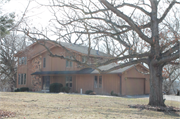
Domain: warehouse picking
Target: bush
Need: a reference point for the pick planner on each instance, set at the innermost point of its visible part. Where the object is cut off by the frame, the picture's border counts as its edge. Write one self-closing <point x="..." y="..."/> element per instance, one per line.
<point x="22" y="89"/>
<point x="65" y="89"/>
<point x="55" y="87"/>
<point x="88" y="91"/>
<point x="113" y="94"/>
<point x="17" y="90"/>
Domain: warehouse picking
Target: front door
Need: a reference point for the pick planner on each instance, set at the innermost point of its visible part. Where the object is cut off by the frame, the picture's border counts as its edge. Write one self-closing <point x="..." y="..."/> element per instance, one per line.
<point x="98" y="84"/>
<point x="46" y="82"/>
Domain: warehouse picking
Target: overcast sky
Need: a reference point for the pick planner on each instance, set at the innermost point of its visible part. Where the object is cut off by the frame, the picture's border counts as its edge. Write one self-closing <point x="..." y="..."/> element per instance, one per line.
<point x="35" y="14"/>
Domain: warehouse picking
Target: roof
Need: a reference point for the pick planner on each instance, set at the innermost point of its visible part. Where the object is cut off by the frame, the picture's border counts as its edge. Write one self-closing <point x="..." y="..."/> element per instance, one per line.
<point x="83" y="49"/>
<point x="53" y="72"/>
<point x="86" y="70"/>
<point x="74" y="47"/>
<point x="109" y="66"/>
<point x="83" y="71"/>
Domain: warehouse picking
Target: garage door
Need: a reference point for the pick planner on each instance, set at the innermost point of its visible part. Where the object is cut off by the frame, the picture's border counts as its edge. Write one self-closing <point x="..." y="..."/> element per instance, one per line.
<point x="135" y="86"/>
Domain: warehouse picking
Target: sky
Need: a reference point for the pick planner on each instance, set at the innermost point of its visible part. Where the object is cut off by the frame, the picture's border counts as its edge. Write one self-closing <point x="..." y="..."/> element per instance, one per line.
<point x="35" y="15"/>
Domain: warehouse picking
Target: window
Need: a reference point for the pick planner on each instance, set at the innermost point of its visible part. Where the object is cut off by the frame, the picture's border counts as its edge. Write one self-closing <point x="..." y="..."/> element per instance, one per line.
<point x="69" y="81"/>
<point x="25" y="60"/>
<point x="19" y="60"/>
<point x="98" y="82"/>
<point x="95" y="81"/>
<point x="44" y="62"/>
<point x="84" y="59"/>
<point x="21" y="79"/>
<point x="22" y="60"/>
<point x="68" y="63"/>
<point x="24" y="78"/>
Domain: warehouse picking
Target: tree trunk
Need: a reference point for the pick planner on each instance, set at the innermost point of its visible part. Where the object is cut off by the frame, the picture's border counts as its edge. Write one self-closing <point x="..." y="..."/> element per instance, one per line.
<point x="156" y="96"/>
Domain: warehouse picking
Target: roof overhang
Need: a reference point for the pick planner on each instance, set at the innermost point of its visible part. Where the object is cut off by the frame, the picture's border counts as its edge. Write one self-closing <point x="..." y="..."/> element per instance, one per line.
<point x="83" y="71"/>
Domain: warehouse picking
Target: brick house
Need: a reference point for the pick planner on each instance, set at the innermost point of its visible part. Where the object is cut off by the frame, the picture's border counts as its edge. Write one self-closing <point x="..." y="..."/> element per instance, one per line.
<point x="37" y="70"/>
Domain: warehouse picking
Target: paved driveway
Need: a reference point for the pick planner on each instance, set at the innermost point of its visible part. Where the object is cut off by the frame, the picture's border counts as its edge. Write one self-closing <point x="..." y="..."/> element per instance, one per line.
<point x="167" y="97"/>
<point x="172" y="97"/>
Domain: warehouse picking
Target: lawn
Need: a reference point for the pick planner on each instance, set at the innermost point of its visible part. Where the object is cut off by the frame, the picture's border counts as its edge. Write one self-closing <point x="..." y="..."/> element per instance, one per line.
<point x="73" y="106"/>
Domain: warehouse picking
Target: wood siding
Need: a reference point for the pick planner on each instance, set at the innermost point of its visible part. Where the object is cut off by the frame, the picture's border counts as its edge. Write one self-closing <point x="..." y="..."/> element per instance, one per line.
<point x="134" y="74"/>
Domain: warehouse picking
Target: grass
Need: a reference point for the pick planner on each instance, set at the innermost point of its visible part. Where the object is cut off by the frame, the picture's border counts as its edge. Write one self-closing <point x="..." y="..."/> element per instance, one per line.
<point x="72" y="106"/>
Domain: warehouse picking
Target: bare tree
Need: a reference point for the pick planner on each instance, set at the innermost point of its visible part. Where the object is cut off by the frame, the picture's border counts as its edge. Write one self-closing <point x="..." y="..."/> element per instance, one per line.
<point x="9" y="45"/>
<point x="143" y="31"/>
<point x="171" y="75"/>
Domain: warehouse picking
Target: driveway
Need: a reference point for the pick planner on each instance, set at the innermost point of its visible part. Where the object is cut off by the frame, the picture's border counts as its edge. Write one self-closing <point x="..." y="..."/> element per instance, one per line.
<point x="167" y="97"/>
<point x="172" y="97"/>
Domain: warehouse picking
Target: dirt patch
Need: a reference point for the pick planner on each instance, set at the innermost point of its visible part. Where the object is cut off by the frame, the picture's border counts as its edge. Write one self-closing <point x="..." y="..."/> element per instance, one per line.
<point x="6" y="114"/>
<point x="157" y="108"/>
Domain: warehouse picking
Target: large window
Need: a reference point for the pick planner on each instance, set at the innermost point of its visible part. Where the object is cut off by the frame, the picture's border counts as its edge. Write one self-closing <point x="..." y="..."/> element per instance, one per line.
<point x="68" y="63"/>
<point x="97" y="81"/>
<point x="69" y="81"/>
<point x="44" y="62"/>
<point x="22" y="79"/>
<point x="22" y="60"/>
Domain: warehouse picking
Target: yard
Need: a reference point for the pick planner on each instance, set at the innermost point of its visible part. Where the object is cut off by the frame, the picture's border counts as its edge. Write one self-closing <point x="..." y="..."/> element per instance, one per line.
<point x="27" y="105"/>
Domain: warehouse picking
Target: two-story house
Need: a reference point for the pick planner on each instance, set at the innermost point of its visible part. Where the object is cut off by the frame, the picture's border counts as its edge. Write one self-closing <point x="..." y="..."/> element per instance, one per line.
<point x="37" y="70"/>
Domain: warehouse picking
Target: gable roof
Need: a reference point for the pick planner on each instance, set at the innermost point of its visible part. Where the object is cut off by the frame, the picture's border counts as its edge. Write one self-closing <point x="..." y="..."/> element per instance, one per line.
<point x="78" y="48"/>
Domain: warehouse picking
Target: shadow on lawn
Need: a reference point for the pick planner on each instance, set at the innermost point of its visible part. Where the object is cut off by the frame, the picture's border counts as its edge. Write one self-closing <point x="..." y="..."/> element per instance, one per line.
<point x="175" y="114"/>
<point x="171" y="113"/>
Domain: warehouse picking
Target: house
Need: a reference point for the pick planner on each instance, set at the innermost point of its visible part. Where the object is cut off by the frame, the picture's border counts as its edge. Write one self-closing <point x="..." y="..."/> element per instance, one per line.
<point x="37" y="70"/>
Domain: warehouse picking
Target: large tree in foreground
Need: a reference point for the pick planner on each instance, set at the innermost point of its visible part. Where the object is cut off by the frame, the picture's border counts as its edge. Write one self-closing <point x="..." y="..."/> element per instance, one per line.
<point x="142" y="31"/>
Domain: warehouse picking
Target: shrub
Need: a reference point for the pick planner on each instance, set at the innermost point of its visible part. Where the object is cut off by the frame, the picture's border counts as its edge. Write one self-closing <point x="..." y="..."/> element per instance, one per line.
<point x="55" y="87"/>
<point x="22" y="89"/>
<point x="113" y="94"/>
<point x="88" y="91"/>
<point x="76" y="92"/>
<point x="65" y="89"/>
<point x="17" y="90"/>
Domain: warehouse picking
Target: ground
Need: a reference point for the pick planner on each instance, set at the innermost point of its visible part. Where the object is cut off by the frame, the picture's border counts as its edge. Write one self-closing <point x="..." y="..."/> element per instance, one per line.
<point x="27" y="105"/>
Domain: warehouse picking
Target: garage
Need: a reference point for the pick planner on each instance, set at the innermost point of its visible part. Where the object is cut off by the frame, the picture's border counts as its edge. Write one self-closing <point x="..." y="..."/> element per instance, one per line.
<point x="135" y="86"/>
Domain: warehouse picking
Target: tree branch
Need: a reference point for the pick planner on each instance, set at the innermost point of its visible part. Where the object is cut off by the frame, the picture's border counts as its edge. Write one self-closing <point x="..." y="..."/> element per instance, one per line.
<point x="134" y="6"/>
<point x="171" y="50"/>
<point x="167" y="11"/>
<point x="168" y="58"/>
<point x="128" y="20"/>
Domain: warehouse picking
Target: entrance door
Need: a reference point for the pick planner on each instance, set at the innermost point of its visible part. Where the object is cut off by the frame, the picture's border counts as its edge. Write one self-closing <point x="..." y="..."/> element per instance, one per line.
<point x="46" y="82"/>
<point x="98" y="84"/>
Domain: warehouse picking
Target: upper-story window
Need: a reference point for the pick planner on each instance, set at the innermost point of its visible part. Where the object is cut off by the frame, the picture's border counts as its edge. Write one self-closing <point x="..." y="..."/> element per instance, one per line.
<point x="84" y="59"/>
<point x="22" y="60"/>
<point x="69" y="63"/>
<point x="44" y="62"/>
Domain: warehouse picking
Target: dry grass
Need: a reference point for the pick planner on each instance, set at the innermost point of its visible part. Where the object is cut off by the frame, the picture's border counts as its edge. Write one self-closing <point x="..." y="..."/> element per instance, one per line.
<point x="73" y="106"/>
